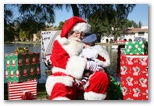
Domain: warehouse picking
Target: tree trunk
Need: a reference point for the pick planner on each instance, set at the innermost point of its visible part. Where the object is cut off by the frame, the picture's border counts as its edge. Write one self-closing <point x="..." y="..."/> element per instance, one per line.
<point x="75" y="10"/>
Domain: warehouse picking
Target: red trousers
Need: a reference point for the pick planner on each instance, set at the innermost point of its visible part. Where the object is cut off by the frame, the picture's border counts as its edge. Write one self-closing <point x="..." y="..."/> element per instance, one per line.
<point x="60" y="90"/>
<point x="98" y="85"/>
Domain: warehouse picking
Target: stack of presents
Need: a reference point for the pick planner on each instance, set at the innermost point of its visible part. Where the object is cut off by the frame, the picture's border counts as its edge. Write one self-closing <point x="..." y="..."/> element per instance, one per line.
<point x="22" y="72"/>
<point x="134" y="71"/>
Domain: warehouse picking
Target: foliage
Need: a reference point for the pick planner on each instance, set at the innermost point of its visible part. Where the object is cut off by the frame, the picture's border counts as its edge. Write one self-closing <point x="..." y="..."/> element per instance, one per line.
<point x="22" y="35"/>
<point x="140" y="24"/>
<point x="110" y="19"/>
<point x="31" y="19"/>
<point x="8" y="26"/>
<point x="9" y="32"/>
<point x="38" y="12"/>
<point x="60" y="25"/>
<point x="105" y="19"/>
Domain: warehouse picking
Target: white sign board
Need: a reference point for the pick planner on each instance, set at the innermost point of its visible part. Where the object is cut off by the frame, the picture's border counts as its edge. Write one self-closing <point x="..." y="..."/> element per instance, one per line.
<point x="47" y="38"/>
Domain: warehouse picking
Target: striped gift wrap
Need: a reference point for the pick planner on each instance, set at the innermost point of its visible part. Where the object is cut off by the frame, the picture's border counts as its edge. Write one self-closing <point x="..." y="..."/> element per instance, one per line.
<point x="16" y="90"/>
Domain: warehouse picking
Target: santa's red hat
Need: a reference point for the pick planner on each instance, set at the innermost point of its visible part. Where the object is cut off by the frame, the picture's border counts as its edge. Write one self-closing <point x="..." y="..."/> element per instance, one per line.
<point x="75" y="24"/>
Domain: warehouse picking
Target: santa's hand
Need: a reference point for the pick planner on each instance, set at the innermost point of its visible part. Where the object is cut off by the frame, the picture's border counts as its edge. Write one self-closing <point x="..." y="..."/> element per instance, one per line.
<point x="92" y="66"/>
<point x="48" y="64"/>
<point x="77" y="83"/>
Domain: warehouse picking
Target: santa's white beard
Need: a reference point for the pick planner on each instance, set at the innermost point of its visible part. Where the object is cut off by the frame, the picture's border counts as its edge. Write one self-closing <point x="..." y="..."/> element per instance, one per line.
<point x="74" y="47"/>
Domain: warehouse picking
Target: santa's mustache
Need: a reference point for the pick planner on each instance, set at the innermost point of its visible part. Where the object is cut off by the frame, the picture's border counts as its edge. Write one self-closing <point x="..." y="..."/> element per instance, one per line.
<point x="71" y="38"/>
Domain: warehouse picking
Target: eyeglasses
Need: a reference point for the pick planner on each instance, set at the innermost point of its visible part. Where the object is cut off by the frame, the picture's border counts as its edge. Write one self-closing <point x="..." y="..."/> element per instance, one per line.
<point x="81" y="33"/>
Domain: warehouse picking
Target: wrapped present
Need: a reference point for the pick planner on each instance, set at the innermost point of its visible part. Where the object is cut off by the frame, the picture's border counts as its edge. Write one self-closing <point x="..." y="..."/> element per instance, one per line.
<point x="136" y="48"/>
<point x="21" y="67"/>
<point x="22" y="90"/>
<point x="115" y="90"/>
<point x="134" y="77"/>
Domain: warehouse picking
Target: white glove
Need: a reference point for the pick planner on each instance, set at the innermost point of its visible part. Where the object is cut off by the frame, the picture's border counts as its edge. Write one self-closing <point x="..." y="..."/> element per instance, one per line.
<point x="47" y="61"/>
<point x="48" y="64"/>
<point x="92" y="66"/>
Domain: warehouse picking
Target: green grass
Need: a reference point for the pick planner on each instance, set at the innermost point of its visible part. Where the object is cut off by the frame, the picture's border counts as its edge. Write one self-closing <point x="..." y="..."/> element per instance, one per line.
<point x="41" y="92"/>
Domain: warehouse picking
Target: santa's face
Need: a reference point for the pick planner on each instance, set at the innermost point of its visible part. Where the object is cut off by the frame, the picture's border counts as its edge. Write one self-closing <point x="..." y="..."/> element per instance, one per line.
<point x="75" y="45"/>
<point x="78" y="35"/>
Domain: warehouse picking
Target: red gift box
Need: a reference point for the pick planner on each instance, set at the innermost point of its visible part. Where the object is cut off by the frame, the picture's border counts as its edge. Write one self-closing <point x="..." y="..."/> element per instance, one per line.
<point x="134" y="76"/>
<point x="22" y="90"/>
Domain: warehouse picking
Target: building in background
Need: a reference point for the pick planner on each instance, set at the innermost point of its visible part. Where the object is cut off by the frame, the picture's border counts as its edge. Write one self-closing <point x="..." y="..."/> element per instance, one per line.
<point x="129" y="35"/>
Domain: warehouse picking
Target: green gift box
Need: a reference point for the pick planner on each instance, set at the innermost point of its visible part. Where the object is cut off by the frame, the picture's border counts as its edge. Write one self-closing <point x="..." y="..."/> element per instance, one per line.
<point x="136" y="48"/>
<point x="22" y="67"/>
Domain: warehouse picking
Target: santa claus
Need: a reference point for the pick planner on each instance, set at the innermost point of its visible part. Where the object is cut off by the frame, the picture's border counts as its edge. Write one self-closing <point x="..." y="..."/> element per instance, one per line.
<point x="67" y="65"/>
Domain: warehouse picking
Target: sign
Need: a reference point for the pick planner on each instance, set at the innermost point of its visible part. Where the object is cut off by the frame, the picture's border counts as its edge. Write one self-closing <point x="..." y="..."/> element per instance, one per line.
<point x="47" y="38"/>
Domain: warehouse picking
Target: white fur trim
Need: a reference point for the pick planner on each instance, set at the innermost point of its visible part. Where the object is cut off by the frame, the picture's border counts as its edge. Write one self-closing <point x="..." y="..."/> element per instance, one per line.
<point x="94" y="96"/>
<point x="99" y="62"/>
<point x="101" y="51"/>
<point x="62" y="41"/>
<point x="75" y="66"/>
<point x="61" y="98"/>
<point x="52" y="80"/>
<point x="70" y="72"/>
<point x="73" y="48"/>
<point x="57" y="69"/>
<point x="82" y="27"/>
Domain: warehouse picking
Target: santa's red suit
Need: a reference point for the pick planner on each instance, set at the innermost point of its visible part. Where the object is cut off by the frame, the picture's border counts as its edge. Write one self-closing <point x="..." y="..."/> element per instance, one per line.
<point x="67" y="65"/>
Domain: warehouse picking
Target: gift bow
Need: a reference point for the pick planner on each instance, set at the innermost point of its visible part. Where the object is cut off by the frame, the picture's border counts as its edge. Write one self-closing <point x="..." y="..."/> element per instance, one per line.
<point x="21" y="50"/>
<point x="27" y="96"/>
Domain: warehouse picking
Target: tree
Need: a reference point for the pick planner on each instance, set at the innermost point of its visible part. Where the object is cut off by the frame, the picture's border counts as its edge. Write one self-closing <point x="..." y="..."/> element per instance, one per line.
<point x="111" y="20"/>
<point x="61" y="25"/>
<point x="8" y="26"/>
<point x="140" y="24"/>
<point x="44" y="13"/>
<point x="22" y="35"/>
<point x="32" y="17"/>
<point x="9" y="32"/>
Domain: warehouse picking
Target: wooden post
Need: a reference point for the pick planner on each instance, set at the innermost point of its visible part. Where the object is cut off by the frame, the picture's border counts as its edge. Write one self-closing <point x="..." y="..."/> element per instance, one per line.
<point x="118" y="59"/>
<point x="48" y="73"/>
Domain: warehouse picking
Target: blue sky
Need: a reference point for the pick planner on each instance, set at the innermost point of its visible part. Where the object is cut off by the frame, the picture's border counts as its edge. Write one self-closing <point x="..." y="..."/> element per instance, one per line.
<point x="139" y="13"/>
